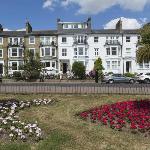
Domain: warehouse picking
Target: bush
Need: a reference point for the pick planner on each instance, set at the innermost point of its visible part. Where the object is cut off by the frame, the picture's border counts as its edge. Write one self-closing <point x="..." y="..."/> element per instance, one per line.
<point x="31" y="75"/>
<point x="132" y="75"/>
<point x="78" y="70"/>
<point x="17" y="75"/>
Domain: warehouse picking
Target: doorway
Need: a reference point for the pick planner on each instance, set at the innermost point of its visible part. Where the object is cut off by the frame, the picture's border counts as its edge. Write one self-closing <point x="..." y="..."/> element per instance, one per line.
<point x="1" y="68"/>
<point x="128" y="66"/>
<point x="65" y="68"/>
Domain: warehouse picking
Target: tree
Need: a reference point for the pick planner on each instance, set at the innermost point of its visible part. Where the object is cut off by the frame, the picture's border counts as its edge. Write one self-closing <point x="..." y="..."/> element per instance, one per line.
<point x="98" y="67"/>
<point x="32" y="66"/>
<point x="143" y="52"/>
<point x="78" y="69"/>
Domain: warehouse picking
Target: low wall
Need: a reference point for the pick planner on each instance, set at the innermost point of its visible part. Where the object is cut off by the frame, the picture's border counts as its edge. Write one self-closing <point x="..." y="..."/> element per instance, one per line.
<point x="75" y="88"/>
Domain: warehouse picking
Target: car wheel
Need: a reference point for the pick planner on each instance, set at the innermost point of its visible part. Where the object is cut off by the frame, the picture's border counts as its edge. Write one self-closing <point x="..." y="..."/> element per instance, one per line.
<point x="146" y="81"/>
<point x="111" y="81"/>
<point x="132" y="81"/>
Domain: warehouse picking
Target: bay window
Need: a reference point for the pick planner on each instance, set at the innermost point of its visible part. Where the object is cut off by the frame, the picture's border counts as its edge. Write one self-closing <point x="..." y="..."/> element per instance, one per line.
<point x="81" y="51"/>
<point x="14" y="66"/>
<point x="114" y="51"/>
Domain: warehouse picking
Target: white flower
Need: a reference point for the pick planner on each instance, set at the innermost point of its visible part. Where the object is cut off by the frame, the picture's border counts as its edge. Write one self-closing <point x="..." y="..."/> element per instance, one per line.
<point x="11" y="135"/>
<point x="12" y="128"/>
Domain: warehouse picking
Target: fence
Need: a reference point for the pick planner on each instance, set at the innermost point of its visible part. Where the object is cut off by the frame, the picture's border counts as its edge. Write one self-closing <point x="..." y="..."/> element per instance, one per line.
<point x="75" y="88"/>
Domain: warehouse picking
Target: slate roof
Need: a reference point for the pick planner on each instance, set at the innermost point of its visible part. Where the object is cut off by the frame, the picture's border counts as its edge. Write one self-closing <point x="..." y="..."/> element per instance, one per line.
<point x="65" y="32"/>
<point x="23" y="33"/>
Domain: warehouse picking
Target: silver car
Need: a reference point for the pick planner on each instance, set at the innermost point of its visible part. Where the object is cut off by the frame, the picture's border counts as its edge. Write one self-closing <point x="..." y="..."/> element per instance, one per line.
<point x="118" y="78"/>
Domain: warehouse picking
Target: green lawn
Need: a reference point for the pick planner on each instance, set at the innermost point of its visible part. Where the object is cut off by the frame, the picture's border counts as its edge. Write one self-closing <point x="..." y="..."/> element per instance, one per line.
<point x="65" y="131"/>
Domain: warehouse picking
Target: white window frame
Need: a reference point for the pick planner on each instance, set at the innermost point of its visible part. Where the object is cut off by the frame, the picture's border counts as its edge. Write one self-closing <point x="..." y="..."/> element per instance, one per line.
<point x="52" y="51"/>
<point x="2" y="53"/>
<point x="96" y="39"/>
<point x="10" y="49"/>
<point x="12" y="63"/>
<point x="64" y="52"/>
<point x="62" y="39"/>
<point x="128" y="39"/>
<point x="128" y="50"/>
<point x="96" y="51"/>
<point x="114" y="66"/>
<point x="52" y="64"/>
<point x="79" y="48"/>
<point x="30" y="39"/>
<point x="1" y="43"/>
<point x="112" y="51"/>
<point x="108" y="48"/>
<point x="108" y="64"/>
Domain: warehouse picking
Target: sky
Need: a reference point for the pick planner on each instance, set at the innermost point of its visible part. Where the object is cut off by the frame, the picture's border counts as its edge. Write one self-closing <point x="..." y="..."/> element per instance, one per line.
<point x="42" y="14"/>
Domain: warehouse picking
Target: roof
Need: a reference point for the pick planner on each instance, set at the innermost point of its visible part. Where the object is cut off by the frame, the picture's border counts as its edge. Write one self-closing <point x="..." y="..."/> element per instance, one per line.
<point x="23" y="33"/>
<point x="66" y="31"/>
<point x="114" y="31"/>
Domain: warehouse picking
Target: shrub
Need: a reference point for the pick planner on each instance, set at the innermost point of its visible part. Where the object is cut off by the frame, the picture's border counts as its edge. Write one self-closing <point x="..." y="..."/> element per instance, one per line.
<point x="78" y="70"/>
<point x="17" y="75"/>
<point x="129" y="75"/>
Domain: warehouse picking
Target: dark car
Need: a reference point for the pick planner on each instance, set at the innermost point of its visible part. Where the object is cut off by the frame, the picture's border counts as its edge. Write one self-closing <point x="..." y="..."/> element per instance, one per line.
<point x="118" y="78"/>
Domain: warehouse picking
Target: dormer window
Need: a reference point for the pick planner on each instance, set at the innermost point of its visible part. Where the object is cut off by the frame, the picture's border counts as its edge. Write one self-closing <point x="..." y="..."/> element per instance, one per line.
<point x="66" y="26"/>
<point x="75" y="26"/>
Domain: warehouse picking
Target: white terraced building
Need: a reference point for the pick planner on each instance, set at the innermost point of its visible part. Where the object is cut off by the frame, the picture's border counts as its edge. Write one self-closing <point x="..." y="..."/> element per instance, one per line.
<point x="116" y="47"/>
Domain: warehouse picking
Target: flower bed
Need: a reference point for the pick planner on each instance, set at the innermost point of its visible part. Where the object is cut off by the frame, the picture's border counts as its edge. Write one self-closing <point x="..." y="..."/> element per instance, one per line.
<point x="11" y="126"/>
<point x="129" y="115"/>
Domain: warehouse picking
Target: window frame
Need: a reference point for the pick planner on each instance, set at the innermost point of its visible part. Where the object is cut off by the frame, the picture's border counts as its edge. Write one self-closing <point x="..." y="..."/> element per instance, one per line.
<point x="30" y="39"/>
<point x="64" y="52"/>
<point x="1" y="43"/>
<point x="63" y="39"/>
<point x="96" y="39"/>
<point x="128" y="39"/>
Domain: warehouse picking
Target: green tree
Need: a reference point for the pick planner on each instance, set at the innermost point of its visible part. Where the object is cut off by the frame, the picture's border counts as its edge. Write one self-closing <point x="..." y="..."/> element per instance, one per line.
<point x="32" y="66"/>
<point x="78" y="69"/>
<point x="143" y="52"/>
<point x="99" y="67"/>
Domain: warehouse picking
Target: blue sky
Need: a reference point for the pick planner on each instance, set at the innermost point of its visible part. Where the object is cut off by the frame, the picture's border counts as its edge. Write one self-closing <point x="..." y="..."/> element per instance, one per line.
<point x="43" y="13"/>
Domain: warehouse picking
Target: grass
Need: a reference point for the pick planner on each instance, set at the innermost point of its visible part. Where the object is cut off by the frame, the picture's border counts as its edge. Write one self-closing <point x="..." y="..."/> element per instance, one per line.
<point x="63" y="130"/>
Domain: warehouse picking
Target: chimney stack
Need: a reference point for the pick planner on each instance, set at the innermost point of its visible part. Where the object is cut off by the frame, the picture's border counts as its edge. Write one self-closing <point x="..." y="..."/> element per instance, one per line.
<point x="28" y="27"/>
<point x="119" y="25"/>
<point x="89" y="26"/>
<point x="1" y="28"/>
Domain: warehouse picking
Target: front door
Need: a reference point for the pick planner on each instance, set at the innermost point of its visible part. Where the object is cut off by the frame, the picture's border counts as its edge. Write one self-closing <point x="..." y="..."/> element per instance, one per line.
<point x="1" y="68"/>
<point x="128" y="66"/>
<point x="64" y="68"/>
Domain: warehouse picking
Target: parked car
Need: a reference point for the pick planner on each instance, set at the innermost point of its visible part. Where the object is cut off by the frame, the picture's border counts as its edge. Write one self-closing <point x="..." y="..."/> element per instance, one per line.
<point x="143" y="78"/>
<point x="118" y="78"/>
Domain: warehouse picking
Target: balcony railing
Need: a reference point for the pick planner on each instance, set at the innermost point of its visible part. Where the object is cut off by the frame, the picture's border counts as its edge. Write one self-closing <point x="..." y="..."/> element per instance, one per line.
<point x="80" y="42"/>
<point x="80" y="57"/>
<point x="48" y="43"/>
<point x="16" y="44"/>
<point x="112" y="42"/>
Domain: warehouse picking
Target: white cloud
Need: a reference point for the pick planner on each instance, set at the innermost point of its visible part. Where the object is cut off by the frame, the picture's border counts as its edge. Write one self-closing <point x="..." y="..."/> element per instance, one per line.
<point x="96" y="6"/>
<point x="127" y="23"/>
<point x="23" y="29"/>
<point x="49" y="4"/>
<point x="6" y="29"/>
